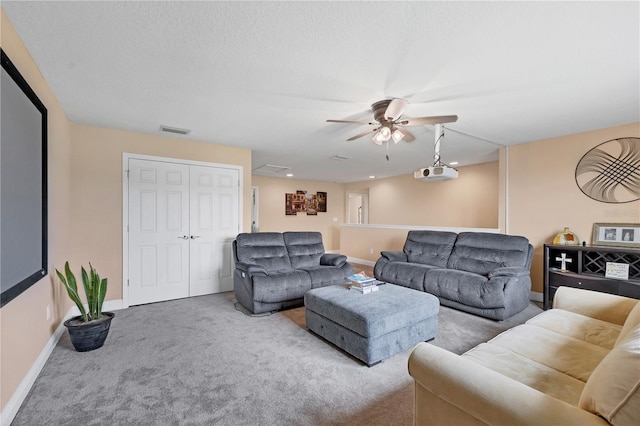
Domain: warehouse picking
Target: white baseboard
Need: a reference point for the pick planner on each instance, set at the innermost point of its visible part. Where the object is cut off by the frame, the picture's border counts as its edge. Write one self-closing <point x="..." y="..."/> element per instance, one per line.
<point x="360" y="261"/>
<point x="16" y="400"/>
<point x="13" y="405"/>
<point x="536" y="297"/>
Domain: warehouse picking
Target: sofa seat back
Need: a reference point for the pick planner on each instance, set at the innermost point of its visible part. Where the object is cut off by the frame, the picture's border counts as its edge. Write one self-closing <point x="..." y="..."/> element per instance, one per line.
<point x="482" y="253"/>
<point x="429" y="247"/>
<point x="411" y="275"/>
<point x="631" y="323"/>
<point x="266" y="249"/>
<point x="305" y="248"/>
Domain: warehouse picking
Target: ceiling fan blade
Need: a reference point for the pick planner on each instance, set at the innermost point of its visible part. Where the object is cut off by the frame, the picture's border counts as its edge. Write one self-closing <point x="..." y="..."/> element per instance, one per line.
<point x="421" y="121"/>
<point x="349" y="121"/>
<point x="408" y="137"/>
<point x="359" y="135"/>
<point x="395" y="109"/>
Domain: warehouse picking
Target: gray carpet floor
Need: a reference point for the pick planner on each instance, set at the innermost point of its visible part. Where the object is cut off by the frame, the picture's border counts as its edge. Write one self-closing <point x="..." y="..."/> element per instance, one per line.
<point x="200" y="361"/>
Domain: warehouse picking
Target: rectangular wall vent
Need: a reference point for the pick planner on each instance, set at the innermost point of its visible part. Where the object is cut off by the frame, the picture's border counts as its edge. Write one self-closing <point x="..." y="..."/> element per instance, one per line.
<point x="174" y="130"/>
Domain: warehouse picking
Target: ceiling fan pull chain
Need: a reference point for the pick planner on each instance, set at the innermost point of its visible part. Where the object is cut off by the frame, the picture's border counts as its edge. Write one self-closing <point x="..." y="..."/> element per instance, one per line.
<point x="387" y="156"/>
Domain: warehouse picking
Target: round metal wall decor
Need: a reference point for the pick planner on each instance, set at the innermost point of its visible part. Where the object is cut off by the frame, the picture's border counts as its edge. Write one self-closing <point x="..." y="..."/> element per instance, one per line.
<point x="610" y="172"/>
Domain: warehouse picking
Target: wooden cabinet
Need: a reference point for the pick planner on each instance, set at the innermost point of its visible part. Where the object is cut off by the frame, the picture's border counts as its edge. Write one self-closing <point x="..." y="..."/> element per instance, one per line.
<point x="585" y="268"/>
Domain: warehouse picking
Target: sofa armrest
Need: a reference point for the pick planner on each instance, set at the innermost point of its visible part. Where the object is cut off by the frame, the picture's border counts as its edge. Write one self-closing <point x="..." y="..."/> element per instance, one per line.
<point x="479" y="395"/>
<point x="510" y="271"/>
<point x="333" y="259"/>
<point x="603" y="306"/>
<point x="394" y="256"/>
<point x="251" y="268"/>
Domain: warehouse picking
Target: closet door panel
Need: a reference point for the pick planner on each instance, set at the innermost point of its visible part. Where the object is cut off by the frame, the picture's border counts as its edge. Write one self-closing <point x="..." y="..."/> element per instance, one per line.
<point x="214" y="225"/>
<point x="158" y="231"/>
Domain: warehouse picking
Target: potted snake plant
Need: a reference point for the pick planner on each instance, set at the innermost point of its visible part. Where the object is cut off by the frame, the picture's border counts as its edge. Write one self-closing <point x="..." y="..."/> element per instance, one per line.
<point x="89" y="330"/>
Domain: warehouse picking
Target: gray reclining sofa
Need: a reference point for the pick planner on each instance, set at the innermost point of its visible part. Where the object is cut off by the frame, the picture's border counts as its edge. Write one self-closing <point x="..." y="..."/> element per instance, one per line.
<point x="274" y="270"/>
<point x="482" y="273"/>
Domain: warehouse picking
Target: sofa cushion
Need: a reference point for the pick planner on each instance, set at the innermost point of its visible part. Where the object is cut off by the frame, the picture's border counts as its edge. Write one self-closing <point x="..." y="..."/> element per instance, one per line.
<point x="527" y="371"/>
<point x="429" y="247"/>
<point x="633" y="321"/>
<point x="483" y="252"/>
<point x="613" y="390"/>
<point x="305" y="248"/>
<point x="565" y="354"/>
<point x="279" y="286"/>
<point x="410" y="275"/>
<point x="465" y="287"/>
<point x="578" y="326"/>
<point x="266" y="249"/>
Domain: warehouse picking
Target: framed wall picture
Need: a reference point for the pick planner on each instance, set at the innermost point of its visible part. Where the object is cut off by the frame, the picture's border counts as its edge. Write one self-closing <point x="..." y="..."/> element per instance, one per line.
<point x="305" y="202"/>
<point x="616" y="234"/>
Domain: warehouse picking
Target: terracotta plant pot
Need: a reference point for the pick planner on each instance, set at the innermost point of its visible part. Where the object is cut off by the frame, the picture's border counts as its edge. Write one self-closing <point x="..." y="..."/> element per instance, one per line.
<point x="88" y="336"/>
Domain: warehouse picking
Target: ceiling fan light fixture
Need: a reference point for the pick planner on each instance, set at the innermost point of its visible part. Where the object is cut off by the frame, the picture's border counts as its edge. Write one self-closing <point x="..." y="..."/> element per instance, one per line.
<point x="378" y="138"/>
<point x="382" y="135"/>
<point x="397" y="136"/>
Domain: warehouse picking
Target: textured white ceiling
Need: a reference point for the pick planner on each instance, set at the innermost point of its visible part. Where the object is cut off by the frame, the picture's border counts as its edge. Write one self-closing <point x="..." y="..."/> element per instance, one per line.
<point x="266" y="75"/>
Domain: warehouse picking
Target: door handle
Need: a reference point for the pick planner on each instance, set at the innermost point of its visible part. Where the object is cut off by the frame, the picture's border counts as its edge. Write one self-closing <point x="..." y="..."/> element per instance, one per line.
<point x="184" y="237"/>
<point x="193" y="237"/>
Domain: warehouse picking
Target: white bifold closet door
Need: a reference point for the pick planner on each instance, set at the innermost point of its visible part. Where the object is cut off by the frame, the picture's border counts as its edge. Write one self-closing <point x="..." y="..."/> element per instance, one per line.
<point x="182" y="221"/>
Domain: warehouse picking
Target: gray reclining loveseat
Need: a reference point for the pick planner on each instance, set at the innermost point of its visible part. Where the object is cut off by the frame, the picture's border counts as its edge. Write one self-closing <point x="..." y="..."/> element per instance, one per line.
<point x="274" y="270"/>
<point x="482" y="273"/>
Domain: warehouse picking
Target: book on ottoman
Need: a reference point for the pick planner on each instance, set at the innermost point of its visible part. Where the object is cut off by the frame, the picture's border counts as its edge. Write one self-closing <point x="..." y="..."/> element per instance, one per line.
<point x="362" y="283"/>
<point x="364" y="290"/>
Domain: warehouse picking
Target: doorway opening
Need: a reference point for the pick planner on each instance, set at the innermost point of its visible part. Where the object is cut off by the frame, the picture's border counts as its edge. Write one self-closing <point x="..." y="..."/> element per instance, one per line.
<point x="357" y="208"/>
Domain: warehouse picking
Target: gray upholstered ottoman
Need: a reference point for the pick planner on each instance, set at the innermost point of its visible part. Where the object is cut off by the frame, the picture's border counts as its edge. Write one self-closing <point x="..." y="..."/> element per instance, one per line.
<point x="373" y="326"/>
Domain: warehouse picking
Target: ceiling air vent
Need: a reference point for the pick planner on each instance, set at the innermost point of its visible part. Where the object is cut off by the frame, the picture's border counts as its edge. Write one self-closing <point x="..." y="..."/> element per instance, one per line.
<point x="174" y="130"/>
<point x="270" y="168"/>
<point x="339" y="158"/>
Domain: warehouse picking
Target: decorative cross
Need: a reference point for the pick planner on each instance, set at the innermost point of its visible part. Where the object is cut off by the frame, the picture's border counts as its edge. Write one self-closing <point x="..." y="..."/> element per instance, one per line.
<point x="564" y="259"/>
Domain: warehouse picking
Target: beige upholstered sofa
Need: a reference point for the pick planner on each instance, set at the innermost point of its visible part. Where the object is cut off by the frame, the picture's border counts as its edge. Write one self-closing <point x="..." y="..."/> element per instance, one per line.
<point x="575" y="364"/>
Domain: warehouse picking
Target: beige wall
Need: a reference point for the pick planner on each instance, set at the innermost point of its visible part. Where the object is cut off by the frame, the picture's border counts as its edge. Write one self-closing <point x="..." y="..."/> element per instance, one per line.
<point x="271" y="208"/>
<point x="97" y="179"/>
<point x="366" y="242"/>
<point x="543" y="196"/>
<point x="469" y="201"/>
<point x="24" y="328"/>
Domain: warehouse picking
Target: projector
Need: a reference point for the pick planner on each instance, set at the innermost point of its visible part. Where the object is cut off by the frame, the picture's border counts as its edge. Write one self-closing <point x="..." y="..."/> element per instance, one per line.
<point x="436" y="173"/>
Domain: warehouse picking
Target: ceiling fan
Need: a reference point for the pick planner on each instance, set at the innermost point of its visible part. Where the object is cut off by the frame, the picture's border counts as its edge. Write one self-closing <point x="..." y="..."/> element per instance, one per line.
<point x="389" y="123"/>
